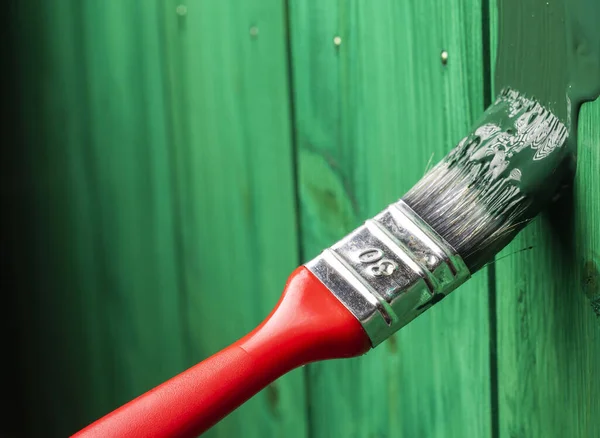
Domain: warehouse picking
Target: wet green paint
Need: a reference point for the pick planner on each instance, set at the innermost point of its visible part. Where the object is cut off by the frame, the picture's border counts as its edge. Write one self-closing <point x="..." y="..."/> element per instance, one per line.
<point x="522" y="149"/>
<point x="517" y="142"/>
<point x="515" y="159"/>
<point x="550" y="50"/>
<point x="496" y="180"/>
<point x="547" y="336"/>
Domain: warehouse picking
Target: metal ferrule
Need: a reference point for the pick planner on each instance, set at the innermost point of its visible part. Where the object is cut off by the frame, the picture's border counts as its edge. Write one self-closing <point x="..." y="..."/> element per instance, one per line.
<point x="390" y="270"/>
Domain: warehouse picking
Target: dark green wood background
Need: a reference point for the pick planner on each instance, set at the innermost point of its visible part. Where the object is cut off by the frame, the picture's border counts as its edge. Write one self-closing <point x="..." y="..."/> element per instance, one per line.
<point x="174" y="161"/>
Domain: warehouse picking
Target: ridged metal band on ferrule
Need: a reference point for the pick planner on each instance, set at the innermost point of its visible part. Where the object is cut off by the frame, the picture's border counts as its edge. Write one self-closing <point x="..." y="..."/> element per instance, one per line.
<point x="390" y="270"/>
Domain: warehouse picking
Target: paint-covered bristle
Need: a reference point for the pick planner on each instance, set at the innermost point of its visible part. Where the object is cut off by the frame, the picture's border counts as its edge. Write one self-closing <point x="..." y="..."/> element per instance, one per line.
<point x="495" y="180"/>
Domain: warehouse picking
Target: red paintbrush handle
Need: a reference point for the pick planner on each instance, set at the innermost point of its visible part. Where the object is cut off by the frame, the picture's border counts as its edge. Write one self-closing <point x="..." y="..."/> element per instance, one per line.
<point x="308" y="324"/>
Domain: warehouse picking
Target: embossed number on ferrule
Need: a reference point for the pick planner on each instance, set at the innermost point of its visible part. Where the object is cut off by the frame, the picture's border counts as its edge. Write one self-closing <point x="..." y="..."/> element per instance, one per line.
<point x="386" y="271"/>
<point x="377" y="266"/>
<point x="384" y="267"/>
<point x="370" y="255"/>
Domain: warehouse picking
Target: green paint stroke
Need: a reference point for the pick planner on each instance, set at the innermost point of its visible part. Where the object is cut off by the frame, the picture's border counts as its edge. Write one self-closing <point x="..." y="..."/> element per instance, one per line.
<point x="550" y="50"/>
<point x="503" y="171"/>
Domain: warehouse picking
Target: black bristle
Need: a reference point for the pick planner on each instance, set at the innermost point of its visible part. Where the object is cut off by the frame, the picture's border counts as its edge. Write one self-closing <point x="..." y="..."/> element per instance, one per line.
<point x="495" y="180"/>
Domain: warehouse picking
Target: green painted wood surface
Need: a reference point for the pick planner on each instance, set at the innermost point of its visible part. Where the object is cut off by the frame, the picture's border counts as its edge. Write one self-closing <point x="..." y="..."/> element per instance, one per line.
<point x="161" y="194"/>
<point x="370" y="115"/>
<point x="548" y="333"/>
<point x="161" y="146"/>
<point x="548" y="341"/>
<point x="235" y="176"/>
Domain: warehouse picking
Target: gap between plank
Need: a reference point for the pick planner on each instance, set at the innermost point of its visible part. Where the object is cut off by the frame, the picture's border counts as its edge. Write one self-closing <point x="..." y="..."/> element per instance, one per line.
<point x="296" y="184"/>
<point x="491" y="273"/>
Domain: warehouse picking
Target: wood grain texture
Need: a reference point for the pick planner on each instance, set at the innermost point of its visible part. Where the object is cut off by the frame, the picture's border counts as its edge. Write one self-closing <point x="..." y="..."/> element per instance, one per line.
<point x="587" y="207"/>
<point x="370" y="115"/>
<point x="158" y="193"/>
<point x="153" y="216"/>
<point x="548" y="333"/>
<point x="102" y="295"/>
<point x="235" y="179"/>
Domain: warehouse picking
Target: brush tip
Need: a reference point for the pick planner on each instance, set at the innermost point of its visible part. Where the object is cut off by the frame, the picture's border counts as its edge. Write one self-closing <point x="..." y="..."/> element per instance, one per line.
<point x="496" y="180"/>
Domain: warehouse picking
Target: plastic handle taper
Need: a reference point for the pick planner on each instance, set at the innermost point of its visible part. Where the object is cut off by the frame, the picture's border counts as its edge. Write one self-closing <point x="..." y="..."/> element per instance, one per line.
<point x="308" y="324"/>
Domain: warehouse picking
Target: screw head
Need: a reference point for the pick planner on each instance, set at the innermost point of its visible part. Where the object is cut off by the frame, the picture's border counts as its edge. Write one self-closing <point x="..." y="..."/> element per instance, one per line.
<point x="444" y="57"/>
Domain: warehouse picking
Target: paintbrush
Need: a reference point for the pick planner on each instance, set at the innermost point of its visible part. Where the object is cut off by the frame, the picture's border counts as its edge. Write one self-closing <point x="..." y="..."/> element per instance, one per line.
<point x="550" y="49"/>
<point x="364" y="288"/>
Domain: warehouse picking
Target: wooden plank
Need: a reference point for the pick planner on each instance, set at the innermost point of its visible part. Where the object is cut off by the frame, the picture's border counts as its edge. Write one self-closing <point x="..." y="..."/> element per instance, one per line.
<point x="162" y="208"/>
<point x="235" y="182"/>
<point x="104" y="300"/>
<point x="548" y="332"/>
<point x="549" y="335"/>
<point x="587" y="208"/>
<point x="371" y="113"/>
